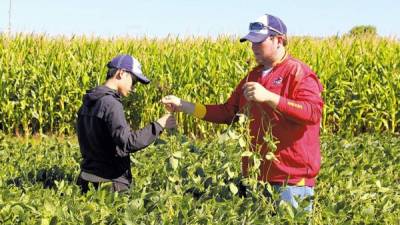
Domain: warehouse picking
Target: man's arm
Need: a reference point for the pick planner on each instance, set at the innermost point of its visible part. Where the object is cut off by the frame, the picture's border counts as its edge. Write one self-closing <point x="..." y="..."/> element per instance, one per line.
<point x="307" y="106"/>
<point x="219" y="113"/>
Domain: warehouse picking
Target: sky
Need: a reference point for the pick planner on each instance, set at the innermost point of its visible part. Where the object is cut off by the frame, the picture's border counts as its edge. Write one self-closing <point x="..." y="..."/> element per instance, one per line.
<point x="209" y="18"/>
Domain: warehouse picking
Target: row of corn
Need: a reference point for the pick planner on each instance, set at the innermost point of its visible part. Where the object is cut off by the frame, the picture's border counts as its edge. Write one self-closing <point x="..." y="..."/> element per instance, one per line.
<point x="43" y="79"/>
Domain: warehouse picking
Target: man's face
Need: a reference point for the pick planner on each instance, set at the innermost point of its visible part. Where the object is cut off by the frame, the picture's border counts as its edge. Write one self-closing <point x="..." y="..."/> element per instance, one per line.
<point x="265" y="52"/>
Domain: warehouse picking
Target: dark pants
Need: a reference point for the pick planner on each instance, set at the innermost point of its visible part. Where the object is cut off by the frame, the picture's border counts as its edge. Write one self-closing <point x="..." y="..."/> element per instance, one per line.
<point x="120" y="184"/>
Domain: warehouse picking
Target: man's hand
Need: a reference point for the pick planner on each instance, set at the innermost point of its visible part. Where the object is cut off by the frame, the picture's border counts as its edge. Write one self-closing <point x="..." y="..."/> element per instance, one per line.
<point x="172" y="103"/>
<point x="254" y="91"/>
<point x="167" y="121"/>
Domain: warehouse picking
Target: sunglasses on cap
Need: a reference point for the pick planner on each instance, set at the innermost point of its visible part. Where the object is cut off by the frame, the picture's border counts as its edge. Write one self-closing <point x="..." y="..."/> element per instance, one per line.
<point x="260" y="26"/>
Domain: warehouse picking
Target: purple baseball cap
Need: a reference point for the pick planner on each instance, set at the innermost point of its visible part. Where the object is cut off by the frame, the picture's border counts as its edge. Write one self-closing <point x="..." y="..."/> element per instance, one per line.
<point x="130" y="64"/>
<point x="263" y="27"/>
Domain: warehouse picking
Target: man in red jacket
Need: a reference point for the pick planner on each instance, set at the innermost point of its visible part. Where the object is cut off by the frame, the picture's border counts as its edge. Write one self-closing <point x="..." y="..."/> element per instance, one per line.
<point x="283" y="92"/>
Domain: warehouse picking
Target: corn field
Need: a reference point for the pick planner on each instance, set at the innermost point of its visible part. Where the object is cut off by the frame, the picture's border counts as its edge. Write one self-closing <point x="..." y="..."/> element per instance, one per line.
<point x="44" y="79"/>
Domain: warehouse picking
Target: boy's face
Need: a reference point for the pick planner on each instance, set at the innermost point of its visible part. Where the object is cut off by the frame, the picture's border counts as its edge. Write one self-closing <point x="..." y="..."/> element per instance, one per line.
<point x="126" y="83"/>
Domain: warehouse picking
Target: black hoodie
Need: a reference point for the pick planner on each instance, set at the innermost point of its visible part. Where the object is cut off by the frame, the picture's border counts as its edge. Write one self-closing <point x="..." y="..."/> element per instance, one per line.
<point x="104" y="136"/>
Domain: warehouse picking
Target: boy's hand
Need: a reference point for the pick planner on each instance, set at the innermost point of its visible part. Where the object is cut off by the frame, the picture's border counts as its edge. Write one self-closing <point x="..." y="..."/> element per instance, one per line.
<point x="167" y="121"/>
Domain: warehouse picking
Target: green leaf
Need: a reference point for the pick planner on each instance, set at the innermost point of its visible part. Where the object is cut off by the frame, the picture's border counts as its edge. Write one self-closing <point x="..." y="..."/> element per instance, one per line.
<point x="246" y="154"/>
<point x="232" y="134"/>
<point x="242" y="118"/>
<point x="177" y="155"/>
<point x="233" y="188"/>
<point x="230" y="173"/>
<point x="223" y="138"/>
<point x="242" y="142"/>
<point x="173" y="163"/>
<point x="271" y="156"/>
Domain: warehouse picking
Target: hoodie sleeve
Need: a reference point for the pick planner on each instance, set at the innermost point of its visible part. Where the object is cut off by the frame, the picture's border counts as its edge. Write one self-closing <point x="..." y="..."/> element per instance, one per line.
<point x="127" y="140"/>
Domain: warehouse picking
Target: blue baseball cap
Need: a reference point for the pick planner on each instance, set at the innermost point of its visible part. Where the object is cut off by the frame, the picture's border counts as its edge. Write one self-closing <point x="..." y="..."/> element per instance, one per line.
<point x="130" y="64"/>
<point x="263" y="27"/>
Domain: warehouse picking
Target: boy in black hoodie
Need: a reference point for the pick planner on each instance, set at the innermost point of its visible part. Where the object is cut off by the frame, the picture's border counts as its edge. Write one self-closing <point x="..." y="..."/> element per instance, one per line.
<point x="105" y="138"/>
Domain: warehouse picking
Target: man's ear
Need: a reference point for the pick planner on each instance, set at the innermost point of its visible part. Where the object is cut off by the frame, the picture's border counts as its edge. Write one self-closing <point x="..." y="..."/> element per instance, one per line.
<point x="280" y="40"/>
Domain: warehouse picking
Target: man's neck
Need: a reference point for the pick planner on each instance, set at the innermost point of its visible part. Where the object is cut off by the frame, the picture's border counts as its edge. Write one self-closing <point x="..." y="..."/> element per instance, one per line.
<point x="280" y="57"/>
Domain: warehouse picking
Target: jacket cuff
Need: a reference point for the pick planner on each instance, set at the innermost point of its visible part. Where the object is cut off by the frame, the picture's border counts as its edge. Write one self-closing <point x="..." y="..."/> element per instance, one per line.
<point x="200" y="110"/>
<point x="158" y="129"/>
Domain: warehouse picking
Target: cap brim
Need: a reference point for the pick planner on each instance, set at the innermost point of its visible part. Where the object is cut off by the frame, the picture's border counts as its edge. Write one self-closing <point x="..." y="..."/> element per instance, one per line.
<point x="137" y="71"/>
<point x="142" y="78"/>
<point x="254" y="37"/>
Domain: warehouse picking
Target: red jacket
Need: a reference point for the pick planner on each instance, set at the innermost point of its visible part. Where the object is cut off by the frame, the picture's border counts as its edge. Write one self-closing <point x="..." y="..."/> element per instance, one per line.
<point x="295" y="122"/>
